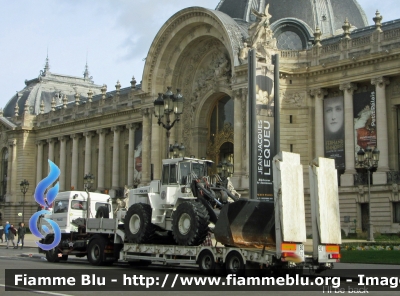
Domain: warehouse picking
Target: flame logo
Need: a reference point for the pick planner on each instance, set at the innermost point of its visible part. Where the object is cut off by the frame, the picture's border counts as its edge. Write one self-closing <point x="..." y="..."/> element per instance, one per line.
<point x="45" y="201"/>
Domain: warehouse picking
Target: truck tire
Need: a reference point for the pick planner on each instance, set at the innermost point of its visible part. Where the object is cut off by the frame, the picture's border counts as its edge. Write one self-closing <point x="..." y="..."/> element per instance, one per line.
<point x="51" y="255"/>
<point x="206" y="262"/>
<point x="138" y="227"/>
<point x="95" y="251"/>
<point x="234" y="264"/>
<point x="190" y="223"/>
<point x="102" y="212"/>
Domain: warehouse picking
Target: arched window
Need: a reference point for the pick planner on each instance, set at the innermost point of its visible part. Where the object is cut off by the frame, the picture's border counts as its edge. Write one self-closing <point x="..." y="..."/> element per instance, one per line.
<point x="3" y="178"/>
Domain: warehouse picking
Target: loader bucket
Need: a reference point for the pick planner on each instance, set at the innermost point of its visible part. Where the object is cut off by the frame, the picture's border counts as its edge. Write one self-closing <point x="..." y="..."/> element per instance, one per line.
<point x="246" y="223"/>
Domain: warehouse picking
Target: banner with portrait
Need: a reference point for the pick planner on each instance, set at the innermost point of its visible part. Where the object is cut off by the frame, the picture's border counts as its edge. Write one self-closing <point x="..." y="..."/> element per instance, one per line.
<point x="364" y="107"/>
<point x="334" y="130"/>
<point x="137" y="172"/>
<point x="265" y="132"/>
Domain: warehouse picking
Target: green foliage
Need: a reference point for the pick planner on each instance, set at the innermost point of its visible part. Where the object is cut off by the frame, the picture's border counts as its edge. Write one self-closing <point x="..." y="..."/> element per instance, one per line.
<point x="371" y="256"/>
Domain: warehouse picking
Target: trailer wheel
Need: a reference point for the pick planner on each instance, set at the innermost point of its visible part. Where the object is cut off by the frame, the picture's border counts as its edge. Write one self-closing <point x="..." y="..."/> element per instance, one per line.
<point x="234" y="264"/>
<point x="51" y="255"/>
<point x="102" y="212"/>
<point x="206" y="262"/>
<point x="95" y="251"/>
<point x="138" y="227"/>
<point x="190" y="223"/>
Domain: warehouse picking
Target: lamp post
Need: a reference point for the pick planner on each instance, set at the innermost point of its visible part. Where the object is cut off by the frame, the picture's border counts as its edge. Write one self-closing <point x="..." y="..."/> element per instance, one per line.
<point x="88" y="181"/>
<point x="24" y="186"/>
<point x="368" y="160"/>
<point x="224" y="168"/>
<point x="164" y="105"/>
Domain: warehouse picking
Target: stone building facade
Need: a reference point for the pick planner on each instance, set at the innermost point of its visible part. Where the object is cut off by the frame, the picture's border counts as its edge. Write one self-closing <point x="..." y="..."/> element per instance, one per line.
<point x="327" y="50"/>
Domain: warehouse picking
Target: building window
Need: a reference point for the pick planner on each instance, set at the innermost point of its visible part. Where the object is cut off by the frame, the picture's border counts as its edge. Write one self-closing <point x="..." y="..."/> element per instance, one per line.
<point x="4" y="167"/>
<point x="396" y="212"/>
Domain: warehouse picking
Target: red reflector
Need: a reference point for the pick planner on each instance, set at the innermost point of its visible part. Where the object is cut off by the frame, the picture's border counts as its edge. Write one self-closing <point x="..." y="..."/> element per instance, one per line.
<point x="288" y="254"/>
<point x="335" y="256"/>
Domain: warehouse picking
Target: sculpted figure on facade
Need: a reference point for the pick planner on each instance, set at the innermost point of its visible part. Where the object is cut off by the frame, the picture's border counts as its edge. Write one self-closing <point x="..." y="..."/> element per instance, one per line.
<point x="261" y="36"/>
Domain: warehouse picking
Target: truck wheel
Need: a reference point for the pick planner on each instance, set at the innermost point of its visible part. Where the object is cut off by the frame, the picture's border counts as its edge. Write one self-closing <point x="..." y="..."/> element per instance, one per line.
<point x="206" y="262"/>
<point x="138" y="227"/>
<point x="102" y="212"/>
<point x="51" y="255"/>
<point x="190" y="223"/>
<point x="234" y="264"/>
<point x="95" y="251"/>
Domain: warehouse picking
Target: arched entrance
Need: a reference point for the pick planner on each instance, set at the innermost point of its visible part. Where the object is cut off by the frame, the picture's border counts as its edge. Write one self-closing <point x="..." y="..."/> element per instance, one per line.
<point x="220" y="137"/>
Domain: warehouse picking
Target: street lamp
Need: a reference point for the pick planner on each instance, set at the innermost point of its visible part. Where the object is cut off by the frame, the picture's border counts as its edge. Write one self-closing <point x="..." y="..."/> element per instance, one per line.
<point x="368" y="160"/>
<point x="88" y="181"/>
<point x="24" y="186"/>
<point x="224" y="168"/>
<point x="176" y="150"/>
<point x="165" y="104"/>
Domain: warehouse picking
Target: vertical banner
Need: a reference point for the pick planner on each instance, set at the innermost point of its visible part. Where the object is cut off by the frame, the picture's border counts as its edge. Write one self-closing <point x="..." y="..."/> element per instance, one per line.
<point x="265" y="131"/>
<point x="364" y="120"/>
<point x="334" y="130"/>
<point x="137" y="172"/>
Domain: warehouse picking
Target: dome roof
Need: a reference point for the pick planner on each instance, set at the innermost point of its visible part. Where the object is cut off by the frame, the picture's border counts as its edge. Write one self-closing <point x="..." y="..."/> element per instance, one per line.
<point x="329" y="15"/>
<point x="48" y="86"/>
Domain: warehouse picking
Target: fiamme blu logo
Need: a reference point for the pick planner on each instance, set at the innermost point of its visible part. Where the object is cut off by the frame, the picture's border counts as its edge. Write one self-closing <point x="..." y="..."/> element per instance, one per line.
<point x="45" y="200"/>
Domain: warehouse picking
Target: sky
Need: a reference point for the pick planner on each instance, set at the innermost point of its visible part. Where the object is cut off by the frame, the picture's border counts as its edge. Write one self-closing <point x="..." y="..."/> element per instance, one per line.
<point x="112" y="36"/>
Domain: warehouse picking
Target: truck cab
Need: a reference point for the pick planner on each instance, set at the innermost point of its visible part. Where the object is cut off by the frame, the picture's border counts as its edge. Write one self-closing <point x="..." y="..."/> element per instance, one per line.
<point x="69" y="206"/>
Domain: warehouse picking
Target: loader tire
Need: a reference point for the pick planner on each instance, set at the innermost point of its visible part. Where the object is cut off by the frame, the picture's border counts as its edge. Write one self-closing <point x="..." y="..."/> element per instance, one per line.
<point x="190" y="223"/>
<point x="138" y="227"/>
<point x="102" y="212"/>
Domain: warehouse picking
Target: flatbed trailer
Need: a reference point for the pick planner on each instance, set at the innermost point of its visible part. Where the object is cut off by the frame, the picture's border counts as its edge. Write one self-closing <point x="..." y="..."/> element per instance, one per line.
<point x="104" y="241"/>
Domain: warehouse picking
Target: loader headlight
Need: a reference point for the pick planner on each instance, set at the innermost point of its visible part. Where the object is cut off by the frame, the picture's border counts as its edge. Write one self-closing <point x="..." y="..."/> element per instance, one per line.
<point x="186" y="190"/>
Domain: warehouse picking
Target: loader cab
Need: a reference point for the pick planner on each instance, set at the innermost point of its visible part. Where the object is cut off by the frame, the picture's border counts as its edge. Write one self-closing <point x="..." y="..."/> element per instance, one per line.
<point x="181" y="171"/>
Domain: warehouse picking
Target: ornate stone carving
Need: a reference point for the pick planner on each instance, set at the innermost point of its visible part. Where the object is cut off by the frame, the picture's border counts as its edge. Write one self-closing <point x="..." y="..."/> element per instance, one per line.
<point x="396" y="89"/>
<point x="244" y="54"/>
<point x="380" y="81"/>
<point x="318" y="92"/>
<point x="261" y="36"/>
<point x="225" y="135"/>
<point x="293" y="99"/>
<point x="349" y="87"/>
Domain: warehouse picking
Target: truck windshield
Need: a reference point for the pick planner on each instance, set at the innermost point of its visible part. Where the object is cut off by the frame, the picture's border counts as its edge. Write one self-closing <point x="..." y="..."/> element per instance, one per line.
<point x="61" y="206"/>
<point x="78" y="205"/>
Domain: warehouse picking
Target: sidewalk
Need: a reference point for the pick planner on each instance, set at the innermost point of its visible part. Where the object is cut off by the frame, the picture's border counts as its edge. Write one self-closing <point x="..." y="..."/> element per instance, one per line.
<point x="29" y="242"/>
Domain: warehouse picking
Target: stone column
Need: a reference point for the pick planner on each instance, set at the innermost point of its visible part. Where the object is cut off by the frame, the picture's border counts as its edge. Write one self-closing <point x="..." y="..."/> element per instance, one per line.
<point x="88" y="152"/>
<point x="319" y="95"/>
<point x="381" y="130"/>
<point x="115" y="164"/>
<point x="237" y="137"/>
<point x="11" y="170"/>
<point x="74" y="168"/>
<point x="102" y="158"/>
<point x="158" y="150"/>
<point x="63" y="162"/>
<point x="39" y="161"/>
<point x="51" y="151"/>
<point x="146" y="162"/>
<point x="132" y="127"/>
<point x="347" y="178"/>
